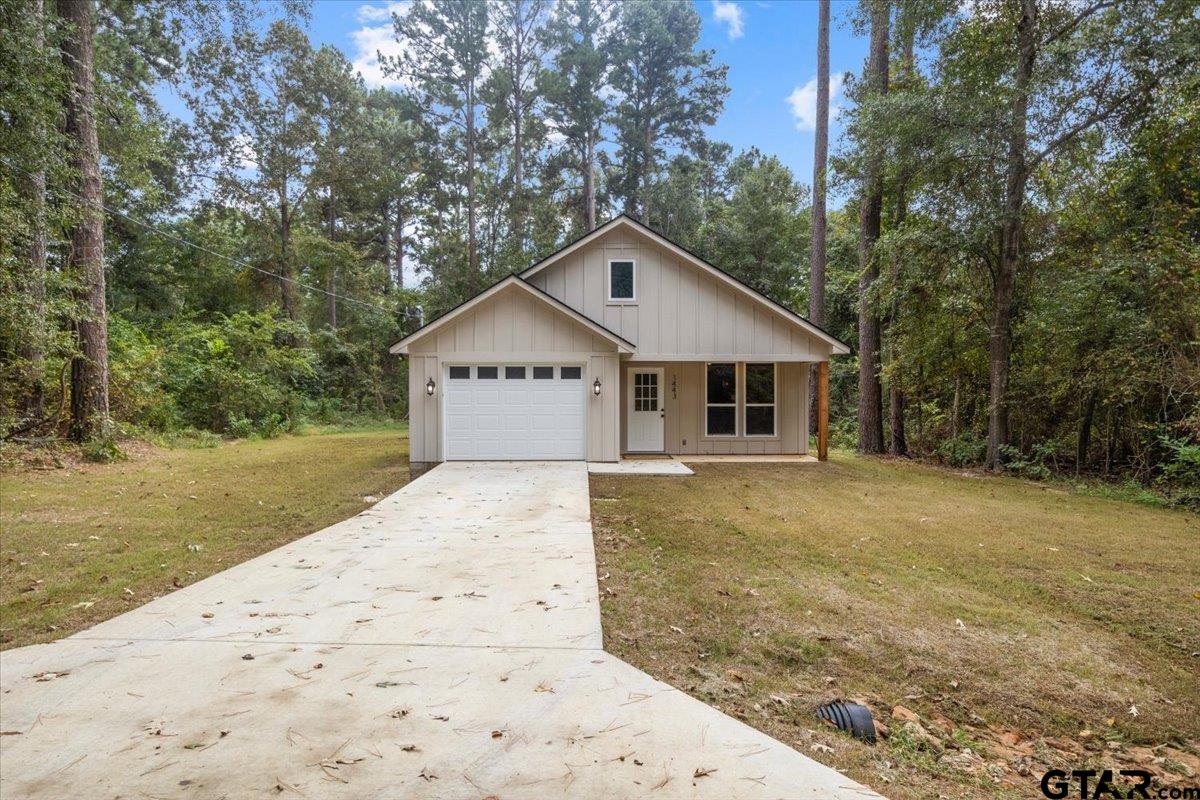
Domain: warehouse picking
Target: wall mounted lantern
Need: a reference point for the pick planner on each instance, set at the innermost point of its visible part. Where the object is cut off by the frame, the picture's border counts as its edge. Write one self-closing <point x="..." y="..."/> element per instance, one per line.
<point x="596" y="387"/>
<point x="429" y="387"/>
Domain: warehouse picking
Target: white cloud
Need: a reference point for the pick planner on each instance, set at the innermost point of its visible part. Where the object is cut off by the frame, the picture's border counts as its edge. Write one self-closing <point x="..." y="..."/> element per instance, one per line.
<point x="372" y="13"/>
<point x="730" y="13"/>
<point x="803" y="101"/>
<point x="371" y="40"/>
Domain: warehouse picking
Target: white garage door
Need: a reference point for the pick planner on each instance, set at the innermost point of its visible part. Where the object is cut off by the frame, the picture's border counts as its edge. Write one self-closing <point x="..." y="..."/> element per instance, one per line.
<point x="514" y="412"/>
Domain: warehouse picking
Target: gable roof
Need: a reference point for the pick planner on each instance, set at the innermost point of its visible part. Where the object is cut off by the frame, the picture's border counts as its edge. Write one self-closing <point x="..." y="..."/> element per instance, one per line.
<point x="622" y="345"/>
<point x="839" y="347"/>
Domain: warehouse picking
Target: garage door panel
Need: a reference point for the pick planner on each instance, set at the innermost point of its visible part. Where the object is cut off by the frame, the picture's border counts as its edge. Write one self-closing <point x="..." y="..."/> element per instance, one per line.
<point x="515" y="418"/>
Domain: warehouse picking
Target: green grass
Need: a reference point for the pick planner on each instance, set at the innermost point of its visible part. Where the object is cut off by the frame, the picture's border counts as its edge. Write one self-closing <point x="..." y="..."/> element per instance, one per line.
<point x="991" y="605"/>
<point x="87" y="542"/>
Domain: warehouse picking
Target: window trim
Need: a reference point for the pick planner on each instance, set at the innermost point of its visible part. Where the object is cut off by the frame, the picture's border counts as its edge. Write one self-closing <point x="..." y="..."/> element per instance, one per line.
<point x="632" y="299"/>
<point x="774" y="404"/>
<point x="737" y="397"/>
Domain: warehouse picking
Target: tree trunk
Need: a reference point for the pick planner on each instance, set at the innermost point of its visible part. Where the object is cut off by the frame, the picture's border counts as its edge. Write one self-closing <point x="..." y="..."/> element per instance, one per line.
<point x="287" y="289"/>
<point x="331" y="298"/>
<point x="475" y="282"/>
<point x="647" y="156"/>
<point x="816" y="294"/>
<point x="954" y="408"/>
<point x="589" y="183"/>
<point x="33" y="346"/>
<point x="1085" y="431"/>
<point x="1000" y="337"/>
<point x="898" y="441"/>
<point x="870" y="395"/>
<point x="517" y="101"/>
<point x="398" y="238"/>
<point x="89" y="366"/>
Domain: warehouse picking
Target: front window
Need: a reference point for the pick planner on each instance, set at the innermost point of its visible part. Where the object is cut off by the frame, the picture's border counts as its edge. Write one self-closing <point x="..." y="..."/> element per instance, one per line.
<point x="720" y="412"/>
<point x="760" y="400"/>
<point x="620" y="280"/>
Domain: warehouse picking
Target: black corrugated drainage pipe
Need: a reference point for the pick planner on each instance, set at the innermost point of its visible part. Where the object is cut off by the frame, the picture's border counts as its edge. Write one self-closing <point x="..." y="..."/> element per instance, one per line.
<point x="853" y="718"/>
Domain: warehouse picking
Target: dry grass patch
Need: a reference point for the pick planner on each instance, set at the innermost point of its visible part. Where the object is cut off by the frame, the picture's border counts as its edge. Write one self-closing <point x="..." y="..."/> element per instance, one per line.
<point x="87" y="542"/>
<point x="1022" y="624"/>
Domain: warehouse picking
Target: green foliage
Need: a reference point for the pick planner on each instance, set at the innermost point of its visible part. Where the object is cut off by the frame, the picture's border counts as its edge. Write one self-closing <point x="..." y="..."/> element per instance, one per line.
<point x="1037" y="464"/>
<point x="237" y="374"/>
<point x="103" y="450"/>
<point x="963" y="450"/>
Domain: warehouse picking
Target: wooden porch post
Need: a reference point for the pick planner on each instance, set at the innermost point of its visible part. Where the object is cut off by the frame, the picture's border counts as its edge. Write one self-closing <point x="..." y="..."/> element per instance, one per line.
<point x="822" y="410"/>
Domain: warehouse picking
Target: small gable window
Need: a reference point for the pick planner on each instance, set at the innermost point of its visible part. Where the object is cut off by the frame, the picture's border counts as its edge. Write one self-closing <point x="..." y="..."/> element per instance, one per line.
<point x="620" y="280"/>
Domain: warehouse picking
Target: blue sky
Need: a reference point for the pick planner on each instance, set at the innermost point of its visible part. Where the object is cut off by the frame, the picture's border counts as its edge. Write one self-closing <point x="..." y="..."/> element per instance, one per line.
<point x="769" y="45"/>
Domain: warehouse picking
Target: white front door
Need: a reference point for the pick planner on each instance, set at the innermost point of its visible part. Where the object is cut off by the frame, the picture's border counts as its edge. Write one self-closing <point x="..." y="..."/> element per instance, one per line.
<point x="646" y="412"/>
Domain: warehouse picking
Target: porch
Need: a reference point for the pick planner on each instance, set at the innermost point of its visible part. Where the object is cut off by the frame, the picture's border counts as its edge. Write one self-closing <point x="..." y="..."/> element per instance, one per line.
<point x="700" y="409"/>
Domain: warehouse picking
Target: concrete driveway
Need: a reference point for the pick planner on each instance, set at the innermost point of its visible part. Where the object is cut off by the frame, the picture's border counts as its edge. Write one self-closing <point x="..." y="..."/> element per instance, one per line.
<point x="444" y="643"/>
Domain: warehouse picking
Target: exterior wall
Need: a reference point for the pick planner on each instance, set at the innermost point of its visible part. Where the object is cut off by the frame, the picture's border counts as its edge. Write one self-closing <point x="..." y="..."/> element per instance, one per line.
<point x="604" y="412"/>
<point x="424" y="412"/>
<point x="512" y="322"/>
<point x="684" y="406"/>
<point x="513" y="327"/>
<point x="680" y="311"/>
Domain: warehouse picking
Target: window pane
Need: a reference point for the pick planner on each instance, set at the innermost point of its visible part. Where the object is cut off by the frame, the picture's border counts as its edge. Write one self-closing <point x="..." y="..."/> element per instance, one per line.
<point x="514" y="373"/>
<point x="760" y="383"/>
<point x="543" y="373"/>
<point x="620" y="278"/>
<point x="722" y="383"/>
<point x="460" y="373"/>
<point x="760" y="420"/>
<point x="487" y="373"/>
<point x="721" y="421"/>
<point x="570" y="373"/>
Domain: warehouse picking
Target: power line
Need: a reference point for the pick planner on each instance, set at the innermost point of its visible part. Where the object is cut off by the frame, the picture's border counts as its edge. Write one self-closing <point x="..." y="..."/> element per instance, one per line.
<point x="180" y="240"/>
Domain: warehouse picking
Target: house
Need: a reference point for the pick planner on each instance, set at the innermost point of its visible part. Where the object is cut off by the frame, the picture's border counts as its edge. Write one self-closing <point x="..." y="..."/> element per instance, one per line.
<point x="622" y="342"/>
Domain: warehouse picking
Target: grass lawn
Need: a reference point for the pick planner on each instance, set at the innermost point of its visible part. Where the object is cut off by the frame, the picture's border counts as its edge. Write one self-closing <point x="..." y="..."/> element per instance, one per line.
<point x="994" y="626"/>
<point x="88" y="542"/>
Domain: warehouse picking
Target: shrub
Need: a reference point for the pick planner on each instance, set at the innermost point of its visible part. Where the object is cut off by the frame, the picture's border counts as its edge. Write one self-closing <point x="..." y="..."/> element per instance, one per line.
<point x="1031" y="465"/>
<point x="241" y="374"/>
<point x="961" y="451"/>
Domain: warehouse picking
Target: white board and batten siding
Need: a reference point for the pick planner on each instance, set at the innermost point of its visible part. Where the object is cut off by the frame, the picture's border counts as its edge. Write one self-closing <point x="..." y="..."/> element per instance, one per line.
<point x="512" y="328"/>
<point x="679" y="311"/>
